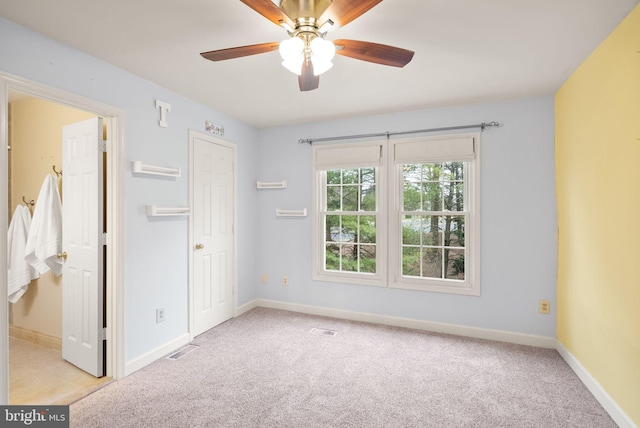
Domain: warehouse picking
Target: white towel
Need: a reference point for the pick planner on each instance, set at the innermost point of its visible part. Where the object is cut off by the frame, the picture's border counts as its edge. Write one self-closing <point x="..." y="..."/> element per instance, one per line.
<point x="20" y="273"/>
<point x="45" y="235"/>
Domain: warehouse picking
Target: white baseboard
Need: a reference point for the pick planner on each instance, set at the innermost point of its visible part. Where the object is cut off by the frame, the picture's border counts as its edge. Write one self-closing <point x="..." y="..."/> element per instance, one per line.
<point x="616" y="413"/>
<point x="151" y="356"/>
<point x="458" y="330"/>
<point x="246" y="307"/>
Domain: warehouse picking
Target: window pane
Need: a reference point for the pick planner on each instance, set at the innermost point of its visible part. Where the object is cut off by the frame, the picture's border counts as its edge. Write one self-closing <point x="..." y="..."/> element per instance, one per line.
<point x="431" y="171"/>
<point x="332" y="228"/>
<point x="410" y="261"/>
<point x="350" y="258"/>
<point x="411" y="226"/>
<point x="432" y="196"/>
<point x="350" y="198"/>
<point x="431" y="230"/>
<point x="454" y="231"/>
<point x="368" y="258"/>
<point x="332" y="257"/>
<point x="452" y="171"/>
<point x="411" y="197"/>
<point x="368" y="198"/>
<point x="368" y="175"/>
<point x="432" y="262"/>
<point x="412" y="173"/>
<point x="453" y="193"/>
<point x="349" y="228"/>
<point x="368" y="229"/>
<point x="333" y="198"/>
<point x="350" y="176"/>
<point x="333" y="177"/>
<point x="454" y="261"/>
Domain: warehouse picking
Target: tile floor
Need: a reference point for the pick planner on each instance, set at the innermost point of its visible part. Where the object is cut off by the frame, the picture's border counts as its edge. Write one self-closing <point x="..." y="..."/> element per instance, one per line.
<point x="39" y="375"/>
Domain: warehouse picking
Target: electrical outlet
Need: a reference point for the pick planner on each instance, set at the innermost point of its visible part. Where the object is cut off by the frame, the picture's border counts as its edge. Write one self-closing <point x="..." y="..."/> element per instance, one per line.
<point x="285" y="280"/>
<point x="264" y="278"/>
<point x="159" y="315"/>
<point x="545" y="307"/>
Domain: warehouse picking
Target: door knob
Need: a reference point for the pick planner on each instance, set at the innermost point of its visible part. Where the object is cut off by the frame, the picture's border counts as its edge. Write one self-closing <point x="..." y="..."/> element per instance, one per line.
<point x="199" y="246"/>
<point x="62" y="256"/>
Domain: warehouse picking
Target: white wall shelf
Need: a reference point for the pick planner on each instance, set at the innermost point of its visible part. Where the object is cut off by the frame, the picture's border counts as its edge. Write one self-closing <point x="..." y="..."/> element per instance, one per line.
<point x="154" y="211"/>
<point x="140" y="168"/>
<point x="272" y="185"/>
<point x="291" y="213"/>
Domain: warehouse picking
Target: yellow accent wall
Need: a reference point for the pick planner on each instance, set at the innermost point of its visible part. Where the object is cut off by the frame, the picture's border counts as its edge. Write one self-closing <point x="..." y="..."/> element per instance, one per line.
<point x="35" y="131"/>
<point x="598" y="197"/>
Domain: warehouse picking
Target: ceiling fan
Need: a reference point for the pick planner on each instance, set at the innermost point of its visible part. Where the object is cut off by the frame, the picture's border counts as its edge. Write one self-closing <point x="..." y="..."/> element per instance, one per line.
<point x="306" y="52"/>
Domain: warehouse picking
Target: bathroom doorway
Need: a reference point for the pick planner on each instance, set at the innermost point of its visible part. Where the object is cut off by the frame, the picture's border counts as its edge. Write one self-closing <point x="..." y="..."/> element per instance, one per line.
<point x="32" y="118"/>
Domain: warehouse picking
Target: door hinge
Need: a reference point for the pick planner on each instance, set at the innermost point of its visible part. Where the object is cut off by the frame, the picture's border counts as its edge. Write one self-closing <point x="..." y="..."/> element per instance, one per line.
<point x="102" y="239"/>
<point x="103" y="146"/>
<point x="102" y="334"/>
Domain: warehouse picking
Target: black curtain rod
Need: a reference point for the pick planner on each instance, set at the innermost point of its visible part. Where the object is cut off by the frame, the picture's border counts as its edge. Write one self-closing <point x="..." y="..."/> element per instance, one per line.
<point x="482" y="127"/>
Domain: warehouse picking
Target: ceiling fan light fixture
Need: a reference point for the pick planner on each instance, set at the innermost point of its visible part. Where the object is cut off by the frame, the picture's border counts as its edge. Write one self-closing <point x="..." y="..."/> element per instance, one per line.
<point x="320" y="66"/>
<point x="322" y="52"/>
<point x="292" y="53"/>
<point x="294" y="65"/>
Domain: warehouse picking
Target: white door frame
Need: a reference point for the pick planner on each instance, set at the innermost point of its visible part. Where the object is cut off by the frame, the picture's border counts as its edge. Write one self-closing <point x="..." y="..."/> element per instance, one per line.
<point x="206" y="137"/>
<point x="114" y="118"/>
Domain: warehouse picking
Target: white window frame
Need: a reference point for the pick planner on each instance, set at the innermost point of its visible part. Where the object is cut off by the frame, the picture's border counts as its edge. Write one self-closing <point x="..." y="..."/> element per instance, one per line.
<point x="347" y="156"/>
<point x="442" y="148"/>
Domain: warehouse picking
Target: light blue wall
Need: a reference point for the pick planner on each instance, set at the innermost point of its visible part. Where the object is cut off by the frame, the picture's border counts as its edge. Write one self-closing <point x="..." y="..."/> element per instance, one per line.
<point x="518" y="222"/>
<point x="155" y="251"/>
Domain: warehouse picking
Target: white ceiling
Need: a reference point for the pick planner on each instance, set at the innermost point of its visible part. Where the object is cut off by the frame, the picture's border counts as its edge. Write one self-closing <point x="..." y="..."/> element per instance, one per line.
<point x="465" y="51"/>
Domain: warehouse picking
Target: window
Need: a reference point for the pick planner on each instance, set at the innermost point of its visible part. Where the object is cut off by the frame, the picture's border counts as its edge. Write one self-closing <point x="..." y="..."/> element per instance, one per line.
<point x="433" y="220"/>
<point x="350" y="220"/>
<point x="402" y="213"/>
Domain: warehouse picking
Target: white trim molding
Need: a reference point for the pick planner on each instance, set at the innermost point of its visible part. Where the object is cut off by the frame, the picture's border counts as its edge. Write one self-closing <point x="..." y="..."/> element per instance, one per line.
<point x="115" y="118"/>
<point x="436" y="327"/>
<point x="155" y="354"/>
<point x="609" y="404"/>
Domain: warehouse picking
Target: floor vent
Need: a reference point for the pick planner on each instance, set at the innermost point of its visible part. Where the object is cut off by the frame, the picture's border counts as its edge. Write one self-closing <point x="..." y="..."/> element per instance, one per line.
<point x="323" y="332"/>
<point x="182" y="352"/>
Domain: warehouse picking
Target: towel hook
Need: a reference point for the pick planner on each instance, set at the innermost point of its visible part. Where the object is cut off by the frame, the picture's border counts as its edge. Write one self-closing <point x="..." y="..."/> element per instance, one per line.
<point x="31" y="202"/>
<point x="58" y="173"/>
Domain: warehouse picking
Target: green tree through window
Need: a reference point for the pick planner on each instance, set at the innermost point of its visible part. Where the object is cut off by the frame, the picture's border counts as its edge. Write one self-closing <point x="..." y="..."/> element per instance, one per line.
<point x="433" y="220"/>
<point x="350" y="220"/>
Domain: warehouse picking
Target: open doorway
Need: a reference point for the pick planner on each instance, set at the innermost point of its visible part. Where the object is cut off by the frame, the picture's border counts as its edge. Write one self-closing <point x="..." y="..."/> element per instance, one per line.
<point x="38" y="316"/>
<point x="35" y="320"/>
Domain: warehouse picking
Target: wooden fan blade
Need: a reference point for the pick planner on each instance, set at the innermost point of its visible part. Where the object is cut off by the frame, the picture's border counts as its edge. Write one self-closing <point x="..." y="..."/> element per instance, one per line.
<point x="307" y="80"/>
<point x="342" y="12"/>
<point x="269" y="10"/>
<point x="240" y="51"/>
<point x="373" y="52"/>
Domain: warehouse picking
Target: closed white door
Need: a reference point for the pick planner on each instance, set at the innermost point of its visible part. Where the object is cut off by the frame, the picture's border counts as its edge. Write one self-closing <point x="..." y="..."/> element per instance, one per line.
<point x="212" y="232"/>
<point x="82" y="220"/>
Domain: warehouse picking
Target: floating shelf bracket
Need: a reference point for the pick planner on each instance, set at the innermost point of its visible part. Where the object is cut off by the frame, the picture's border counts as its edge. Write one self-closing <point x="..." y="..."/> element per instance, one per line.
<point x="271" y="185"/>
<point x="141" y="168"/>
<point x="291" y="213"/>
<point x="154" y="211"/>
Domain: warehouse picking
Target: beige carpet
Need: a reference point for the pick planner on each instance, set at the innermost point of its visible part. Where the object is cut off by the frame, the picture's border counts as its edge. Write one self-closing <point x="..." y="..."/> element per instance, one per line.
<point x="267" y="369"/>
